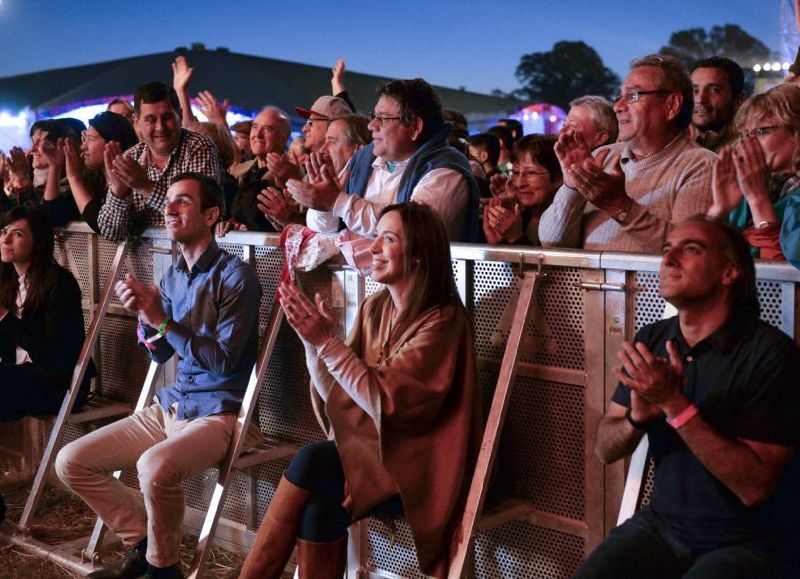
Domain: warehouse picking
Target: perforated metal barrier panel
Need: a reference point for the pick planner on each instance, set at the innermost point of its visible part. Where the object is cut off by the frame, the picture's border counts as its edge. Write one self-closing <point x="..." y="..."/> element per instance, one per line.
<point x="549" y="429"/>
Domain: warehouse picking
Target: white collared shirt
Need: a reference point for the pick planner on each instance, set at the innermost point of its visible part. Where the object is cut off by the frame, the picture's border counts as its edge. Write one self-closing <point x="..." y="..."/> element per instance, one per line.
<point x="22" y="294"/>
<point x="444" y="190"/>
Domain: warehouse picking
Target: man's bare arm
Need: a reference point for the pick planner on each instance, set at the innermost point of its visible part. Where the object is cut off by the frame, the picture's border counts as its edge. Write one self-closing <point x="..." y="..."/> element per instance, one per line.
<point x="616" y="437"/>
<point x="750" y="469"/>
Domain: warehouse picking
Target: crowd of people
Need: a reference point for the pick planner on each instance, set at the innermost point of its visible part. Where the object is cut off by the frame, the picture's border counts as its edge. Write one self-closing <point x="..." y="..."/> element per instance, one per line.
<point x="618" y="177"/>
<point x="682" y="163"/>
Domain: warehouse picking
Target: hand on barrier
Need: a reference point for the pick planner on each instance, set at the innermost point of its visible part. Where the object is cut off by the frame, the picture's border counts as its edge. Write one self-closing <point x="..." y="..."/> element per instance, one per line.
<point x="223" y="227"/>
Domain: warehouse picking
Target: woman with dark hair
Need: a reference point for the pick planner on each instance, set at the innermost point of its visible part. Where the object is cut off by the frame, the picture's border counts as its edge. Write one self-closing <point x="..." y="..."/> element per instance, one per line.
<point x="513" y="217"/>
<point x="87" y="180"/>
<point x="41" y="323"/>
<point x="399" y="402"/>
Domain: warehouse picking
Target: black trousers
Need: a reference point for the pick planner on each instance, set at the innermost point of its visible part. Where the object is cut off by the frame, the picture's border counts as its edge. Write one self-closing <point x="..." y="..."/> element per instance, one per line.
<point x="25" y="389"/>
<point x="317" y="468"/>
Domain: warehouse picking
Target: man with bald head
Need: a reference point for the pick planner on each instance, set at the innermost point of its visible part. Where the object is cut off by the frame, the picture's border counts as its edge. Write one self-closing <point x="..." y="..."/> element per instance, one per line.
<point x="715" y="391"/>
<point x="269" y="134"/>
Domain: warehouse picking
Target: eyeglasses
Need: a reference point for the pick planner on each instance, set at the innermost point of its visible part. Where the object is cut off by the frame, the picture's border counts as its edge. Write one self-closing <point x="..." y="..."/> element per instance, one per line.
<point x="761" y="131"/>
<point x="310" y="122"/>
<point x="526" y="174"/>
<point x="382" y="120"/>
<point x="632" y="95"/>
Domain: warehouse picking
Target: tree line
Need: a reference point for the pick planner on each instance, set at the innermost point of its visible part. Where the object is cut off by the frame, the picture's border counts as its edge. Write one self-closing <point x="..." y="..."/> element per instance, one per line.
<point x="573" y="68"/>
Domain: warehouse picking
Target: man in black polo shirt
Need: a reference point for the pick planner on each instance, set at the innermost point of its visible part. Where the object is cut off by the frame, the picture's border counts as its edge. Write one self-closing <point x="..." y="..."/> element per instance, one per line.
<point x="716" y="391"/>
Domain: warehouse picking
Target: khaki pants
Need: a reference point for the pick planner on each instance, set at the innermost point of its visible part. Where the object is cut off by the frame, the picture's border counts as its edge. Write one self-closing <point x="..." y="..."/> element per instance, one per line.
<point x="165" y="452"/>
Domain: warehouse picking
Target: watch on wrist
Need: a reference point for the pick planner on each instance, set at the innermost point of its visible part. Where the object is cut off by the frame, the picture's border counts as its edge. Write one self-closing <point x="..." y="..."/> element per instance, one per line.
<point x="635" y="423"/>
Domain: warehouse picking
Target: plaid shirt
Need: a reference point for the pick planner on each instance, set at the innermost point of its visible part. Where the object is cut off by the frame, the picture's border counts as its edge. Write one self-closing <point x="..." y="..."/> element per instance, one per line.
<point x="194" y="153"/>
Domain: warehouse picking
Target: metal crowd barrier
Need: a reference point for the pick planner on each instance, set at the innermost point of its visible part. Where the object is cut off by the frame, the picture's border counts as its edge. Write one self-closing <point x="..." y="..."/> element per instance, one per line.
<point x="552" y="501"/>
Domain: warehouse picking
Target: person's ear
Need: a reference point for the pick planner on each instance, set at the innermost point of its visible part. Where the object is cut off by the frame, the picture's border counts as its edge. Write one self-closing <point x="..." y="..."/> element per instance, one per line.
<point x="730" y="275"/>
<point x="673" y="104"/>
<point x="416" y="128"/>
<point x="212" y="216"/>
<point x="601" y="138"/>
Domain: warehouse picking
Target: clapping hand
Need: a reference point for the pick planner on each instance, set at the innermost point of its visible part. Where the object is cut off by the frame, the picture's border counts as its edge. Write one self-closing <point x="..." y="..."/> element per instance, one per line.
<point x="313" y="322"/>
<point x="273" y="204"/>
<point x="282" y="167"/>
<point x="322" y="188"/>
<point x="142" y="299"/>
<point x="571" y="150"/>
<point x="725" y="190"/>
<point x="657" y="380"/>
<point x="605" y="190"/>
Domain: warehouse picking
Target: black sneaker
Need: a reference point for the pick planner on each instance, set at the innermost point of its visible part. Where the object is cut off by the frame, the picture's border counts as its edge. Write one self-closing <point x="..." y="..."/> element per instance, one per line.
<point x="133" y="566"/>
<point x="171" y="572"/>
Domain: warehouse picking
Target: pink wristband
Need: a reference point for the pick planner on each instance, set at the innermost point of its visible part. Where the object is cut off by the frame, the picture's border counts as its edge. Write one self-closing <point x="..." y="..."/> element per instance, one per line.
<point x="685" y="416"/>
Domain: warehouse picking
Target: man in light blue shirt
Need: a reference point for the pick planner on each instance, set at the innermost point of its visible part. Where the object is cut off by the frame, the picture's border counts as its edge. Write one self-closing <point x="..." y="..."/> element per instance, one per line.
<point x="206" y="311"/>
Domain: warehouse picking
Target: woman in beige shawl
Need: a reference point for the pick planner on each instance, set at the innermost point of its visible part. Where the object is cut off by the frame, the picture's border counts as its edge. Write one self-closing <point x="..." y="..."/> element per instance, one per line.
<point x="401" y="406"/>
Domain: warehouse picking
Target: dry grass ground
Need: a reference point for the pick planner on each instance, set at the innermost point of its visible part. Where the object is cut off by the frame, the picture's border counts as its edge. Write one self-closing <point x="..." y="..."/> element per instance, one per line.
<point x="63" y="517"/>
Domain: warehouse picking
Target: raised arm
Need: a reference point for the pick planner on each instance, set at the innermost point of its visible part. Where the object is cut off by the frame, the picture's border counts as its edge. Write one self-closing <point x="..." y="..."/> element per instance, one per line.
<point x="181" y="76"/>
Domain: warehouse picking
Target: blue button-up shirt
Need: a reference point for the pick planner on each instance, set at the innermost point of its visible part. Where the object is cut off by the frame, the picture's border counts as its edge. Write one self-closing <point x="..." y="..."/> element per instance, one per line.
<point x="214" y="308"/>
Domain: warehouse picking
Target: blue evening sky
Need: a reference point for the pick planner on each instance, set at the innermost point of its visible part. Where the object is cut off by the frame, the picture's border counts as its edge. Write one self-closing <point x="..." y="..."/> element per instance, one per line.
<point x="475" y="43"/>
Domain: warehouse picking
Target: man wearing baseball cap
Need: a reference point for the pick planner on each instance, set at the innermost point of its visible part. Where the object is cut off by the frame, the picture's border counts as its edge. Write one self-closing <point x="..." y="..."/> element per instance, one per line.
<point x="323" y="111"/>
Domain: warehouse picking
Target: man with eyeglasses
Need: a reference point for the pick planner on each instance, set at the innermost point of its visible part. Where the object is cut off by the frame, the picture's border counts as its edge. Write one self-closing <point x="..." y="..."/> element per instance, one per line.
<point x="318" y="117"/>
<point x="139" y="178"/>
<point x="409" y="159"/>
<point x="718" y="85"/>
<point x="627" y="196"/>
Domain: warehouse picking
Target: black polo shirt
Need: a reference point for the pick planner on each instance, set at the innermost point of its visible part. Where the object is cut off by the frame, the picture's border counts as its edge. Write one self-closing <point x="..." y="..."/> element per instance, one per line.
<point x="744" y="378"/>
